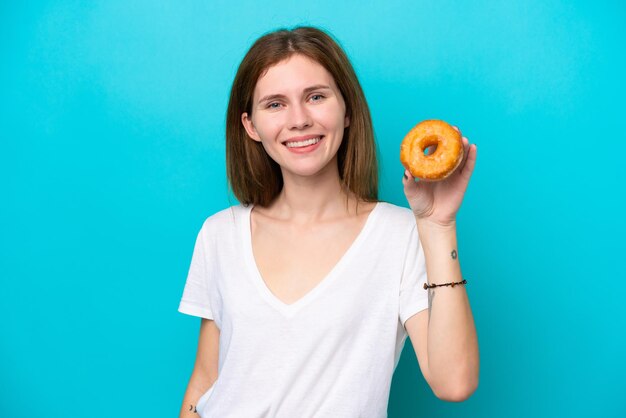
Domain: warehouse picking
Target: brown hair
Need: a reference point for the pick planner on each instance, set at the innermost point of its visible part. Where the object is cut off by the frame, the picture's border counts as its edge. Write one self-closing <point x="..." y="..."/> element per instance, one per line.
<point x="252" y="174"/>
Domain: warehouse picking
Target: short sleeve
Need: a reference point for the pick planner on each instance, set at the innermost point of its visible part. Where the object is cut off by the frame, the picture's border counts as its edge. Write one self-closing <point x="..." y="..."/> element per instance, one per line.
<point x="195" y="300"/>
<point x="413" y="296"/>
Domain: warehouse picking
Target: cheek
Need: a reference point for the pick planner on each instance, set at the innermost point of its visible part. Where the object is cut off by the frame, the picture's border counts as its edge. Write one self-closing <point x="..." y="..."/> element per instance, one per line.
<point x="331" y="117"/>
<point x="268" y="127"/>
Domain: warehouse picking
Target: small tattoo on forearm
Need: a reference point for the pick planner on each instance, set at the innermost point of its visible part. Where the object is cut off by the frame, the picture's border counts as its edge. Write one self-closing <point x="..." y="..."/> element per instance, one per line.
<point x="453" y="254"/>
<point x="191" y="407"/>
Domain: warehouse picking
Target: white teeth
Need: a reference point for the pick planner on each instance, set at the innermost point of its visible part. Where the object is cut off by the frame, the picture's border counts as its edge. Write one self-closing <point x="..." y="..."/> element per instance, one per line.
<point x="305" y="143"/>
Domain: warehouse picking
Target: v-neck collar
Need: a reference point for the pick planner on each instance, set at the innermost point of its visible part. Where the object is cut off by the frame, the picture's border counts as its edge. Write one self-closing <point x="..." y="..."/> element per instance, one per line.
<point x="291" y="309"/>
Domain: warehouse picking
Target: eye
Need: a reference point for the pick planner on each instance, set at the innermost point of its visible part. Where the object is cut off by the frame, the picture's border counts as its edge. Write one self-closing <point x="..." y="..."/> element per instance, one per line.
<point x="317" y="97"/>
<point x="271" y="105"/>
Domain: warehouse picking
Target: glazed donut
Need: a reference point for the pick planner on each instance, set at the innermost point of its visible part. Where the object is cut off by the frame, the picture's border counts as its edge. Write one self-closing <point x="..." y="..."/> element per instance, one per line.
<point x="439" y="164"/>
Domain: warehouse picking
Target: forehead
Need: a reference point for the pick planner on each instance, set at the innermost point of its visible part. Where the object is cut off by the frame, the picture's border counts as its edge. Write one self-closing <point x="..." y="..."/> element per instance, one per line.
<point x="292" y="75"/>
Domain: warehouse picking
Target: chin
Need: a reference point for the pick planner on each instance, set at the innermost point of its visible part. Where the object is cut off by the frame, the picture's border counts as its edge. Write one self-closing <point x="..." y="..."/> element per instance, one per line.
<point x="304" y="171"/>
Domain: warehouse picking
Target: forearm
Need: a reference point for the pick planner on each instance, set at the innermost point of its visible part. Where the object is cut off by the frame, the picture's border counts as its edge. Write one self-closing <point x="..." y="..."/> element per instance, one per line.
<point x="453" y="359"/>
<point x="198" y="385"/>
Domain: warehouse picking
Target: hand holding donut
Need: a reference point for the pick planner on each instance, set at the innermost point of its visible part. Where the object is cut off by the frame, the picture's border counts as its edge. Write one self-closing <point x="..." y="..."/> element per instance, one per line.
<point x="443" y="174"/>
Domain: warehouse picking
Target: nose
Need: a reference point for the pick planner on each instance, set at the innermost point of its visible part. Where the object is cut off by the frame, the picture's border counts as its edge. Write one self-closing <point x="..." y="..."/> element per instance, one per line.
<point x="299" y="117"/>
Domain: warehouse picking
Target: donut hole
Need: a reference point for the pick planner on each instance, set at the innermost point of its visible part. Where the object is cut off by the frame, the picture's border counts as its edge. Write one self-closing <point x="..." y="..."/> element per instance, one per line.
<point x="430" y="144"/>
<point x="430" y="150"/>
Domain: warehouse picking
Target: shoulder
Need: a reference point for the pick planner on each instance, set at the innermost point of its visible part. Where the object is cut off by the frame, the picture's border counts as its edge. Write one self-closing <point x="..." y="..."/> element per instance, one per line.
<point x="224" y="219"/>
<point x="396" y="216"/>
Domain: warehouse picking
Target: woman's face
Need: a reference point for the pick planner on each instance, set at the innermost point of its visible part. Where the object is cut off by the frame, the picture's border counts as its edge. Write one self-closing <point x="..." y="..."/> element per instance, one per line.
<point x="298" y="115"/>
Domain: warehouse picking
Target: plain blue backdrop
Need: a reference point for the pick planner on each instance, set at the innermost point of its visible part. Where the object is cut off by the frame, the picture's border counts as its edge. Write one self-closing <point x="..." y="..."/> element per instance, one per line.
<point x="112" y="155"/>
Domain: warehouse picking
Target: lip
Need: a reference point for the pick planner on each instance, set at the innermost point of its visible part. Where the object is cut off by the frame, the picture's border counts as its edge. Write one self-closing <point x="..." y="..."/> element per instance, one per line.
<point x="300" y="138"/>
<point x="308" y="148"/>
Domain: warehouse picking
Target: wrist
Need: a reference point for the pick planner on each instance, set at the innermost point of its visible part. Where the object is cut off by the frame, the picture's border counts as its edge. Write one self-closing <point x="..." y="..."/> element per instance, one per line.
<point x="430" y="225"/>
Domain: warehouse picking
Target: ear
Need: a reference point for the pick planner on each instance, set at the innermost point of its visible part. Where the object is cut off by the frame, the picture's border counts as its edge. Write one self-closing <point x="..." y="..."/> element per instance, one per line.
<point x="347" y="121"/>
<point x="249" y="126"/>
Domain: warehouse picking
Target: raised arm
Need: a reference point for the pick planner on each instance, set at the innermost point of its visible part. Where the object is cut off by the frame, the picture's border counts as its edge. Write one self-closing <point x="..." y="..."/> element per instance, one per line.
<point x="444" y="336"/>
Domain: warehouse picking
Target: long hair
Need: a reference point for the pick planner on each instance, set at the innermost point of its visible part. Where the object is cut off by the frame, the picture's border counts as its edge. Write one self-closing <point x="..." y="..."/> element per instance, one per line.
<point x="252" y="174"/>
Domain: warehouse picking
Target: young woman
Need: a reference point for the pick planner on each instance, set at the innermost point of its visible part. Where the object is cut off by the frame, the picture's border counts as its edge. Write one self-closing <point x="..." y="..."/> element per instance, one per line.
<point x="308" y="288"/>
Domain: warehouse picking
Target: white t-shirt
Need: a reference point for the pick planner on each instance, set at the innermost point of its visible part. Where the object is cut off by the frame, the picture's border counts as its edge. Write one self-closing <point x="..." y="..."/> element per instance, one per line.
<point x="330" y="354"/>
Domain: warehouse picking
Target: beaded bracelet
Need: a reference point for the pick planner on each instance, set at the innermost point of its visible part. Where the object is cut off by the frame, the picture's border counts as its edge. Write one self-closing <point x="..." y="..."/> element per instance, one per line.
<point x="427" y="286"/>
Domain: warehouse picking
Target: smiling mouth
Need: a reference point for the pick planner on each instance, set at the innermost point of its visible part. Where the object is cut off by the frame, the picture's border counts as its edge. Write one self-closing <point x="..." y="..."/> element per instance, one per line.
<point x="305" y="143"/>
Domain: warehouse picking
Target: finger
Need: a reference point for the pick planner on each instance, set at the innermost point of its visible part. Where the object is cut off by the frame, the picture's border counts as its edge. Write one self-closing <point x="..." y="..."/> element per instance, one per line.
<point x="470" y="162"/>
<point x="408" y="181"/>
<point x="407" y="174"/>
<point x="466" y="147"/>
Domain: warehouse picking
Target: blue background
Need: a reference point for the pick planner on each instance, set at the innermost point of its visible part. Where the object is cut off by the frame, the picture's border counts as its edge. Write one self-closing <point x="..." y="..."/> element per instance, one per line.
<point x="112" y="154"/>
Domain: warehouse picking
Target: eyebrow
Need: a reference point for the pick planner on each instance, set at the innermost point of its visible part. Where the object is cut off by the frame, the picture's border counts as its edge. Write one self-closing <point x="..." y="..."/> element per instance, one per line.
<point x="306" y="90"/>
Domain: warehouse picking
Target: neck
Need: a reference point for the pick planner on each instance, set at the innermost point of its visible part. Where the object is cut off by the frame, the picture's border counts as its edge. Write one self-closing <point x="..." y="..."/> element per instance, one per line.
<point x="312" y="198"/>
